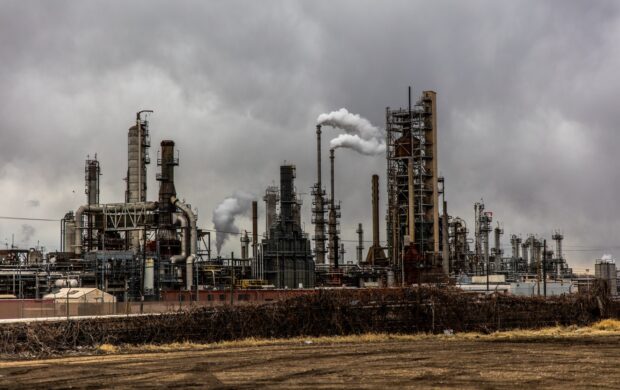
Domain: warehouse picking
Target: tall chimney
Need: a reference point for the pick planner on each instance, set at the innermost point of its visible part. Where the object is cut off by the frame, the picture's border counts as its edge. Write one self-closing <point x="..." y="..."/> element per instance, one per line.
<point x="331" y="162"/>
<point x="360" y="242"/>
<point x="254" y="238"/>
<point x="376" y="255"/>
<point x="318" y="156"/>
<point x="375" y="210"/>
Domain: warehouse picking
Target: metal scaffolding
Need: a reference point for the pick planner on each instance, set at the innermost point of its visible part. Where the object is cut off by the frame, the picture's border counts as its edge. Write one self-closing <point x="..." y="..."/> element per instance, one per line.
<point x="412" y="182"/>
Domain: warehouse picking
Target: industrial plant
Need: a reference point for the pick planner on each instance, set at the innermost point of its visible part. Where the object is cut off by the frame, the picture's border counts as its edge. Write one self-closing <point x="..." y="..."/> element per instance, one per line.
<point x="155" y="249"/>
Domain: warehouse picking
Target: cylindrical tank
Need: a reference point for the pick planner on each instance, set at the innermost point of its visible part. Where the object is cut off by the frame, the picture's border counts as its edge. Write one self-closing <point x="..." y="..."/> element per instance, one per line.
<point x="149" y="276"/>
<point x="390" y="279"/>
<point x="69" y="232"/>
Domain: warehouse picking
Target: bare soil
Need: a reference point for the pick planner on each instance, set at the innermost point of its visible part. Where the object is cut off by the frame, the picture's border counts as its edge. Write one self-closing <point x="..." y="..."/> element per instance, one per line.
<point x="430" y="362"/>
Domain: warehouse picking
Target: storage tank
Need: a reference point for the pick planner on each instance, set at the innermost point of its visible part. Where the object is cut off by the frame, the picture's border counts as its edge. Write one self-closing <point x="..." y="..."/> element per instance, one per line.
<point x="606" y="270"/>
<point x="149" y="276"/>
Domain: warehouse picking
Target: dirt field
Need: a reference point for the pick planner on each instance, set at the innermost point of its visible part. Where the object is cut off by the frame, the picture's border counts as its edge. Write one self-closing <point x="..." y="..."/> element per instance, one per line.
<point x="553" y="361"/>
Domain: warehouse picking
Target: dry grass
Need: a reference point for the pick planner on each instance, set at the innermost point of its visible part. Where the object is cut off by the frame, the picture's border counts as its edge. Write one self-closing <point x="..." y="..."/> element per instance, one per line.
<point x="607" y="327"/>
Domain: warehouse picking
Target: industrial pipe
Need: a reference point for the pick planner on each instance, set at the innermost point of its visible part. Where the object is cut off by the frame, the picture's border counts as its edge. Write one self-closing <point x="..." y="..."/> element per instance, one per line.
<point x="189" y="272"/>
<point x="411" y="211"/>
<point x="181" y="219"/>
<point x="193" y="234"/>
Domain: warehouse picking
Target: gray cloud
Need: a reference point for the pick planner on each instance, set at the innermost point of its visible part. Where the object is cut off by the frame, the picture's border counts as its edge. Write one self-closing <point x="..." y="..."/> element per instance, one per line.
<point x="526" y="100"/>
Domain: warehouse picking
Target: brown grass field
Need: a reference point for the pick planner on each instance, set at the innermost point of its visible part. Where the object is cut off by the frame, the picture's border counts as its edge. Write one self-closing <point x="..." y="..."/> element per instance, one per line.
<point x="560" y="357"/>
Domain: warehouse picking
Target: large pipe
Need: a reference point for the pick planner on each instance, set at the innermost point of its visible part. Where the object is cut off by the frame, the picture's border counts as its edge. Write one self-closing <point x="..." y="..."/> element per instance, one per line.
<point x="148" y="206"/>
<point x="411" y="201"/>
<point x="181" y="219"/>
<point x="189" y="272"/>
<point x="193" y="234"/>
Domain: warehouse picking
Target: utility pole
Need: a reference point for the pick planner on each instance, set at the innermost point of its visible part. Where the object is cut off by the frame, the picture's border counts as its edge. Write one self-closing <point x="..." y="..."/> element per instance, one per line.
<point x="545" y="267"/>
<point x="232" y="277"/>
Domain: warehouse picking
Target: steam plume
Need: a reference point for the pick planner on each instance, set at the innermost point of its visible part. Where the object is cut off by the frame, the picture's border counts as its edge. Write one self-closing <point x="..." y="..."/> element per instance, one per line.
<point x="360" y="135"/>
<point x="225" y="213"/>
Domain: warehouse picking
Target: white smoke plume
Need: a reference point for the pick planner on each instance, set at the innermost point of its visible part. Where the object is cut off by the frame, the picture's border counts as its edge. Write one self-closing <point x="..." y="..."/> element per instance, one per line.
<point x="607" y="257"/>
<point x="225" y="213"/>
<point x="360" y="135"/>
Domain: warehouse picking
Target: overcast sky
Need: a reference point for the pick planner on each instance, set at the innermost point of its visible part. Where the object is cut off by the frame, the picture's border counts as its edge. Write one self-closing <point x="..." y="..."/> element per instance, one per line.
<point x="527" y="103"/>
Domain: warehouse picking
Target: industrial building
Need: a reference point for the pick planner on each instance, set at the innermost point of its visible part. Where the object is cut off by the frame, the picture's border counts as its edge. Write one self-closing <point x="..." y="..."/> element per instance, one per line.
<point x="286" y="251"/>
<point x="142" y="249"/>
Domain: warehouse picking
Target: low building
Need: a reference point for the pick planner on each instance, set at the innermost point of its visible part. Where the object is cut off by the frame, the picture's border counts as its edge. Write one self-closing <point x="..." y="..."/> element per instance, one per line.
<point x="81" y="295"/>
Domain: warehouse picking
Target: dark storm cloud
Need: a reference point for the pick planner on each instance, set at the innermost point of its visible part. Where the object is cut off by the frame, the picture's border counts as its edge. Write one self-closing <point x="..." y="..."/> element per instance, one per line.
<point x="526" y="100"/>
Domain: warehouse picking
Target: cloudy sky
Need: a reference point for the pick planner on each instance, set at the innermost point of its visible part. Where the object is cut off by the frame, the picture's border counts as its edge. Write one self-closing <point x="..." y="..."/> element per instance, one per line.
<point x="527" y="103"/>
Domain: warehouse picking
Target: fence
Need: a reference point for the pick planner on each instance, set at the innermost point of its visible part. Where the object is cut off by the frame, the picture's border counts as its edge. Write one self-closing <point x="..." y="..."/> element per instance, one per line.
<point x="335" y="312"/>
<point x="18" y="309"/>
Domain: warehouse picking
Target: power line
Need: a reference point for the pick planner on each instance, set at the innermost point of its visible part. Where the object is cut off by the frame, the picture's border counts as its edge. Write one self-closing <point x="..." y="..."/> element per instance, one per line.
<point x="30" y="219"/>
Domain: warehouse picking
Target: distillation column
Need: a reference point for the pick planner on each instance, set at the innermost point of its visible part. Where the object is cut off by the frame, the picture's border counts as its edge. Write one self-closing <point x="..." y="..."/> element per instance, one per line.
<point x="334" y="214"/>
<point x="360" y="243"/>
<point x="318" y="204"/>
<point x="138" y="143"/>
<point x="92" y="172"/>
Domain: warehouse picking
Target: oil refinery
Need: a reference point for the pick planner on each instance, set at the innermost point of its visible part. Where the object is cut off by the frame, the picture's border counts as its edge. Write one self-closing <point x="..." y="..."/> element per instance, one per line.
<point x="150" y="250"/>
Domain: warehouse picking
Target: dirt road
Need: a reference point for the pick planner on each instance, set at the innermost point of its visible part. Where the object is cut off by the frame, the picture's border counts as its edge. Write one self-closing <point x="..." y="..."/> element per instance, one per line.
<point x="588" y="362"/>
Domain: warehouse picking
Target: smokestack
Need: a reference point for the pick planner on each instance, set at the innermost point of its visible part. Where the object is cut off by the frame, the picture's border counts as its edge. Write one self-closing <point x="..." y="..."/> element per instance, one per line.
<point x="376" y="255"/>
<point x="331" y="162"/>
<point x="254" y="238"/>
<point x="360" y="243"/>
<point x="318" y="156"/>
<point x="558" y="237"/>
<point x="375" y="210"/>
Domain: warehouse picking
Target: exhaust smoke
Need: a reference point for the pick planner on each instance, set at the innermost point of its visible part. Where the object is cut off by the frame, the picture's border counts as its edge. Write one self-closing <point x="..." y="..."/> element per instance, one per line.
<point x="360" y="135"/>
<point x="225" y="213"/>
